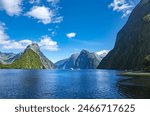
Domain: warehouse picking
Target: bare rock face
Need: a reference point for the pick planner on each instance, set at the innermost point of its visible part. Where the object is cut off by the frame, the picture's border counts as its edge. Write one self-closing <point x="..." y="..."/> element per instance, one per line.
<point x="133" y="41"/>
<point x="87" y="60"/>
<point x="82" y="60"/>
<point x="68" y="63"/>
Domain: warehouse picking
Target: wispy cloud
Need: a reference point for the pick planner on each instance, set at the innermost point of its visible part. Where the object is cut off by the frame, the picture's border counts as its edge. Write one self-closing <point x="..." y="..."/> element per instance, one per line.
<point x="6" y="43"/>
<point x="34" y="1"/>
<point x="71" y="35"/>
<point x="3" y="35"/>
<point x="122" y="6"/>
<point x="53" y="2"/>
<point x="12" y="7"/>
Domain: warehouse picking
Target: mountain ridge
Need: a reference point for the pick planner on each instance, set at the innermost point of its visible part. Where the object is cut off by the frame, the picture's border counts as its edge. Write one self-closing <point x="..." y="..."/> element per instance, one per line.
<point x="82" y="60"/>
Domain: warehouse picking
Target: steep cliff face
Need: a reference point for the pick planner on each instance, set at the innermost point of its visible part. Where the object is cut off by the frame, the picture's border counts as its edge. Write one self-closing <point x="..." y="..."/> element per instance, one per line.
<point x="68" y="63"/>
<point x="45" y="61"/>
<point x="133" y="41"/>
<point x="87" y="60"/>
<point x="82" y="60"/>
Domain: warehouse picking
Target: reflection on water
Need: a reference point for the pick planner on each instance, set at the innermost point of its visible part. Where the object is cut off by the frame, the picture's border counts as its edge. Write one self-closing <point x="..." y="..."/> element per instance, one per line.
<point x="135" y="87"/>
<point x="57" y="84"/>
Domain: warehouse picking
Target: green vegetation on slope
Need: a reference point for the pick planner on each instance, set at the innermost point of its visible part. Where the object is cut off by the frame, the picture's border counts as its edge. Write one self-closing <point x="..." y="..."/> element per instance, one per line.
<point x="147" y="18"/>
<point x="28" y="60"/>
<point x="147" y="64"/>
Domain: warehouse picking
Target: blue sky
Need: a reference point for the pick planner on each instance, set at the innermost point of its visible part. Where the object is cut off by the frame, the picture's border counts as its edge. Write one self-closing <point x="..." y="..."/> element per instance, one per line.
<point x="62" y="27"/>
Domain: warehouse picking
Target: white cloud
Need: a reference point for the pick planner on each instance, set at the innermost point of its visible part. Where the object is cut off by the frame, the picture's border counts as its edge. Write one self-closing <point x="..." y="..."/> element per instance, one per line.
<point x="12" y="7"/>
<point x="34" y="1"/>
<point x="16" y="44"/>
<point x="54" y="5"/>
<point x="6" y="43"/>
<point x="42" y="13"/>
<point x="122" y="6"/>
<point x="126" y="13"/>
<point x="3" y="36"/>
<point x="53" y="2"/>
<point x="58" y="19"/>
<point x="45" y="14"/>
<point x="48" y="44"/>
<point x="71" y="35"/>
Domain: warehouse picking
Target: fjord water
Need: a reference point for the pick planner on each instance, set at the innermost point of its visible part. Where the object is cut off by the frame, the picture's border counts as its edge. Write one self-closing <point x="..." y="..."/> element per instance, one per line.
<point x="63" y="84"/>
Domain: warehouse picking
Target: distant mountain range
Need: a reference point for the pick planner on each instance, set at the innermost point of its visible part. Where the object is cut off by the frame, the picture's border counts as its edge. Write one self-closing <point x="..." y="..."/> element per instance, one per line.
<point x="8" y="58"/>
<point x="133" y="41"/>
<point x="31" y="58"/>
<point x="82" y="60"/>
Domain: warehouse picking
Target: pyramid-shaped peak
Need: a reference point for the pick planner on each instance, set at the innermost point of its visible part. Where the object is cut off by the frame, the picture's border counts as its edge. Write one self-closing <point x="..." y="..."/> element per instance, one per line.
<point x="34" y="46"/>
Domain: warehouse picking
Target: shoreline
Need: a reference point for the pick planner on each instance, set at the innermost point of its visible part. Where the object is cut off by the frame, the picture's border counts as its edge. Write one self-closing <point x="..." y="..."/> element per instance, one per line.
<point x="135" y="74"/>
<point x="135" y="79"/>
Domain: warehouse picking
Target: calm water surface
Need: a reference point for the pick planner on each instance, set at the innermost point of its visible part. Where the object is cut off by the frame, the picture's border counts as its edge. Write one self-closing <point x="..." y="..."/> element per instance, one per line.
<point x="57" y="84"/>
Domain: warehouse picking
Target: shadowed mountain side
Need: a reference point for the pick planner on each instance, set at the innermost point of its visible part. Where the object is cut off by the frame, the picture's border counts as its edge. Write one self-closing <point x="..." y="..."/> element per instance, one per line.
<point x="82" y="60"/>
<point x="133" y="41"/>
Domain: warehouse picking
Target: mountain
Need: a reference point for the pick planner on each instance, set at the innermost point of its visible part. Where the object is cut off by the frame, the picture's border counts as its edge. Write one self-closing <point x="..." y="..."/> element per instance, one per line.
<point x="87" y="60"/>
<point x="133" y="41"/>
<point x="44" y="60"/>
<point x="82" y="60"/>
<point x="31" y="58"/>
<point x="68" y="63"/>
<point x="8" y="58"/>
